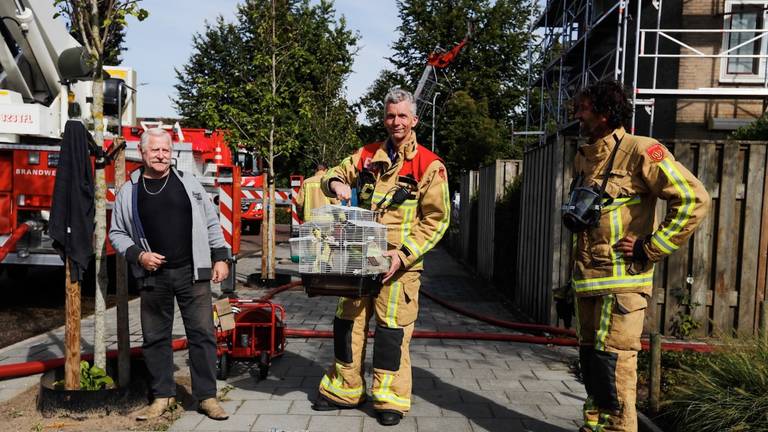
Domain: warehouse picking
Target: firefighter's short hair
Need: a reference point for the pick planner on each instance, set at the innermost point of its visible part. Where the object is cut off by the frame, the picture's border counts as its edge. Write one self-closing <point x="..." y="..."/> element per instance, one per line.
<point x="397" y="95"/>
<point x="609" y="98"/>
<point x="154" y="132"/>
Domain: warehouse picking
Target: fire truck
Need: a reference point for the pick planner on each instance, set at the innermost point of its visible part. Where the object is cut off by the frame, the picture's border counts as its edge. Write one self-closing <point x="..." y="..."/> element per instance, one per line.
<point x="36" y="101"/>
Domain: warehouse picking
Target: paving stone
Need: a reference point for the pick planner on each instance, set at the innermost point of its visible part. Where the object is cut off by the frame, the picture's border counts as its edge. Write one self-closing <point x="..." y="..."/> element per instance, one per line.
<point x="264" y="407"/>
<point x="436" y="396"/>
<point x="334" y="424"/>
<point x="421" y="408"/>
<point x="517" y="411"/>
<point x="187" y="422"/>
<point x="496" y="425"/>
<point x="484" y="396"/>
<point x="451" y="364"/>
<point x="567" y="398"/>
<point x="233" y="423"/>
<point x="407" y="424"/>
<point x="476" y="373"/>
<point x="499" y="384"/>
<point x="468" y="410"/>
<point x="442" y="424"/>
<point x="527" y="397"/>
<point x="550" y="386"/>
<point x="550" y="375"/>
<point x="272" y="423"/>
<point x="550" y="425"/>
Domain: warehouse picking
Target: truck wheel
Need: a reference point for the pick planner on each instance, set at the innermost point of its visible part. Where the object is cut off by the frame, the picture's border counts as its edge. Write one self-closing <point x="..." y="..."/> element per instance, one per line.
<point x="222" y="366"/>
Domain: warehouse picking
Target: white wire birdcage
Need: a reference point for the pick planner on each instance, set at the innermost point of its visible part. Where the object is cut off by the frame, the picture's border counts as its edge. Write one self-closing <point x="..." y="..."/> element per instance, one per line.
<point x="341" y="241"/>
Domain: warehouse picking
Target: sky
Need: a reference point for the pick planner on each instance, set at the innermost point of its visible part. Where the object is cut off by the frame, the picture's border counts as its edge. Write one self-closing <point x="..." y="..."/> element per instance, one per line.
<point x="163" y="42"/>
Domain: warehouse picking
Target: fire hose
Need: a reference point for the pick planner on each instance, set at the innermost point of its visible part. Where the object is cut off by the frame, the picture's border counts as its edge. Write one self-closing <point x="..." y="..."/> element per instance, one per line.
<point x="16" y="235"/>
<point x="40" y="366"/>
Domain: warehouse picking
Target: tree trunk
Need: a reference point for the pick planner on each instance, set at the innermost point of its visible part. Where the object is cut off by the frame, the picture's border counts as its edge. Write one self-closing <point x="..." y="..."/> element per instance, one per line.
<point x="100" y="234"/>
<point x="71" y="331"/>
<point x="269" y="251"/>
<point x="121" y="286"/>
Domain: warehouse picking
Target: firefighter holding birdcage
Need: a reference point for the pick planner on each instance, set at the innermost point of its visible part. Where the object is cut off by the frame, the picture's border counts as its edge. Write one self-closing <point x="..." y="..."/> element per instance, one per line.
<point x="406" y="185"/>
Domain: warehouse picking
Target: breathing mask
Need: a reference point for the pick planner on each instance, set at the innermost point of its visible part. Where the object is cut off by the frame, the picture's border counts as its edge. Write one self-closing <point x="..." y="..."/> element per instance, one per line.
<point x="585" y="203"/>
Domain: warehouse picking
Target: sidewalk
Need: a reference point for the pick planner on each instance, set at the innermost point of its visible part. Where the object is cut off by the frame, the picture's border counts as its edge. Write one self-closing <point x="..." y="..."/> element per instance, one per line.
<point x="459" y="385"/>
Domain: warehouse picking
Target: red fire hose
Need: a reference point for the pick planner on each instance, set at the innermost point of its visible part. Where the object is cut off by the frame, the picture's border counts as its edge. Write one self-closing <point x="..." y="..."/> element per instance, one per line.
<point x="34" y="367"/>
<point x="10" y="244"/>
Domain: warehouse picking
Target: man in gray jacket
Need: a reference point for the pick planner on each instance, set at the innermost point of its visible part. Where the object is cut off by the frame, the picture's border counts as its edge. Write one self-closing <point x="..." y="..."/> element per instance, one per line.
<point x="166" y="227"/>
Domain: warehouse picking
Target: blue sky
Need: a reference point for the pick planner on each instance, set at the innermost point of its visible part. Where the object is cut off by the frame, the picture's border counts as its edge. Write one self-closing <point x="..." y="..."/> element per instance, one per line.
<point x="163" y="41"/>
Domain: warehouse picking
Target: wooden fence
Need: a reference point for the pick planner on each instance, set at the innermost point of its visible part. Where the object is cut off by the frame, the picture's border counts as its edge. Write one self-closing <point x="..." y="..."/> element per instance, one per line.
<point x="717" y="280"/>
<point x="493" y="179"/>
<point x="467" y="189"/>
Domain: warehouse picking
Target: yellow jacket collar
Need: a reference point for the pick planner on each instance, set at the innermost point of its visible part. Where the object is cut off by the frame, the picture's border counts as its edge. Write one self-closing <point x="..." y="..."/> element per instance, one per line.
<point x="603" y="146"/>
<point x="406" y="151"/>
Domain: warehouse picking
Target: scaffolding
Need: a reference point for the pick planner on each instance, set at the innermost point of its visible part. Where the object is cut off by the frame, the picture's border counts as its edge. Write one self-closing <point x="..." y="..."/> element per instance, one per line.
<point x="579" y="42"/>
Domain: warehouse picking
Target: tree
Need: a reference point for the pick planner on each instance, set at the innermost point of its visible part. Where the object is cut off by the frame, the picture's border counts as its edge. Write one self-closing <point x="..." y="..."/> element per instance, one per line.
<point x="98" y="21"/>
<point x="491" y="70"/>
<point x="468" y="137"/>
<point x="372" y="104"/>
<point x="492" y="67"/>
<point x="113" y="47"/>
<point x="273" y="80"/>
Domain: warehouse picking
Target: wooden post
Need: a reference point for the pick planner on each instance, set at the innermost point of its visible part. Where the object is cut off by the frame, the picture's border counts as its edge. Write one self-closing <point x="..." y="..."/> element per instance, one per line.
<point x="764" y="321"/>
<point x="121" y="287"/>
<point x="655" y="373"/>
<point x="71" y="331"/>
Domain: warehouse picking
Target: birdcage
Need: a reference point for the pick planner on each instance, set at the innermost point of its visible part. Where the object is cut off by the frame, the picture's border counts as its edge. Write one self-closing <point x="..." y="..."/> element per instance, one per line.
<point x="340" y="251"/>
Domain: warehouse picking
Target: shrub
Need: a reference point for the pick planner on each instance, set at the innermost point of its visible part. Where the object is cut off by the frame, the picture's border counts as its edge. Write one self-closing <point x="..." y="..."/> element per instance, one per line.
<point x="724" y="393"/>
<point x="757" y="130"/>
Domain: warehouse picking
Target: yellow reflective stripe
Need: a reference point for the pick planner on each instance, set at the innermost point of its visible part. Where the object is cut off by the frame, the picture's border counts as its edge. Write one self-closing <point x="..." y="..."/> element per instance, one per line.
<point x="616" y="233"/>
<point x="610" y="282"/>
<point x="384" y="394"/>
<point x="336" y="386"/>
<point x="662" y="238"/>
<point x="394" y="294"/>
<point x="405" y="229"/>
<point x="387" y="197"/>
<point x="619" y="202"/>
<point x="605" y="322"/>
<point x="441" y="227"/>
<point x="340" y="308"/>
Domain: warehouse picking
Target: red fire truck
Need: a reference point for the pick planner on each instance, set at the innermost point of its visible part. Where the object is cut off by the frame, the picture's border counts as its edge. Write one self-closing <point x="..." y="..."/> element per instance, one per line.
<point x="34" y="107"/>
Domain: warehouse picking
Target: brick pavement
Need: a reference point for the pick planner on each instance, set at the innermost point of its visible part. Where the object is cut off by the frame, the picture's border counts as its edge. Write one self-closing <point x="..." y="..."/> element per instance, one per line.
<point x="459" y="385"/>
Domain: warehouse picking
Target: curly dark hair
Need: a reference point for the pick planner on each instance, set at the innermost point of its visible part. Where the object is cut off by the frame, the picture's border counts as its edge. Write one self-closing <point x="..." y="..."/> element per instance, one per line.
<point x="609" y="99"/>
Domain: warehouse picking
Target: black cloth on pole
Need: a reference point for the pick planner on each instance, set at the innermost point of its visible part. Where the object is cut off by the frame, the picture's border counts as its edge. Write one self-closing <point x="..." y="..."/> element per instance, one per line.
<point x="71" y="223"/>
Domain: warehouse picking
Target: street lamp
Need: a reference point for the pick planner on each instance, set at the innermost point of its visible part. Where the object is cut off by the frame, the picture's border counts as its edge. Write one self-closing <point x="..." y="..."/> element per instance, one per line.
<point x="434" y="97"/>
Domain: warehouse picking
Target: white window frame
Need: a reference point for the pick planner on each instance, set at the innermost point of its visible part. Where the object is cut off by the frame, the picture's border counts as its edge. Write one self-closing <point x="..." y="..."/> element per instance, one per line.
<point x="758" y="78"/>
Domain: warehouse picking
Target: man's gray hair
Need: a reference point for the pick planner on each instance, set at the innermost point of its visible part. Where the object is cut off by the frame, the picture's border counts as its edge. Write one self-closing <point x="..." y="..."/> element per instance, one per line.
<point x="154" y="132"/>
<point x="397" y="95"/>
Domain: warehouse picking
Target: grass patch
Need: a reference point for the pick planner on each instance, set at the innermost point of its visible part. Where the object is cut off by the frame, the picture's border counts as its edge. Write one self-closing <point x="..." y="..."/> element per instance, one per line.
<point x="725" y="391"/>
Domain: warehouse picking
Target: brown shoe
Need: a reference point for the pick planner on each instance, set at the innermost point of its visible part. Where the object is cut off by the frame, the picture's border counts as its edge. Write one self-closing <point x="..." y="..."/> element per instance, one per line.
<point x="157" y="408"/>
<point x="212" y="409"/>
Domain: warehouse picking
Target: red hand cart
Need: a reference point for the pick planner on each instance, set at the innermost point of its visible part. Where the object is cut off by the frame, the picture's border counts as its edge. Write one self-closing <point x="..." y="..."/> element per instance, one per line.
<point x="258" y="336"/>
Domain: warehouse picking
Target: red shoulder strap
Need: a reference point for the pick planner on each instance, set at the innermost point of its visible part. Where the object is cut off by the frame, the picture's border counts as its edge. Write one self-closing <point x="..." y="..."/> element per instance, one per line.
<point x="366" y="154"/>
<point x="419" y="164"/>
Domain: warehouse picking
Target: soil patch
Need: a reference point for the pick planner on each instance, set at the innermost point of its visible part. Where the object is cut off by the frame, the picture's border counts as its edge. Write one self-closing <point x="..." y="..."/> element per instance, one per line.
<point x="20" y="414"/>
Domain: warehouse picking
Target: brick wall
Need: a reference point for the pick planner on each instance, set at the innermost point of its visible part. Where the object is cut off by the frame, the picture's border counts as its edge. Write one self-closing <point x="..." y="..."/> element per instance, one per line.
<point x="693" y="115"/>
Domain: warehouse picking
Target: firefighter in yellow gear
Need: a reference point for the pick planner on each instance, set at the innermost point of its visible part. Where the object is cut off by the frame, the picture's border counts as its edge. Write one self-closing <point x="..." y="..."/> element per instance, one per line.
<point x="311" y="196"/>
<point x="617" y="241"/>
<point x="406" y="184"/>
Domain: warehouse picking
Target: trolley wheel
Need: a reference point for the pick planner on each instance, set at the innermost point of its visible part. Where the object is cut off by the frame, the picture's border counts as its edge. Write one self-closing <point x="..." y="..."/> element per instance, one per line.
<point x="263" y="365"/>
<point x="222" y="366"/>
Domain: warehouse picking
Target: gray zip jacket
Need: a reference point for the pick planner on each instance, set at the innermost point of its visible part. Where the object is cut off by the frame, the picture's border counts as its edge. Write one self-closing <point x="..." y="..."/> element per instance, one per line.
<point x="127" y="234"/>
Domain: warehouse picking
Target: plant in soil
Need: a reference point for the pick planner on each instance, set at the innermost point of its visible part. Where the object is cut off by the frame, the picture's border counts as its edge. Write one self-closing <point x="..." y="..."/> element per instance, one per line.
<point x="721" y="392"/>
<point x="91" y="378"/>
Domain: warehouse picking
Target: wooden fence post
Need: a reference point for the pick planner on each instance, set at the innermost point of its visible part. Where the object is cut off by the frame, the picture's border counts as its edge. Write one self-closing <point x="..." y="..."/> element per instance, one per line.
<point x="655" y="373"/>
